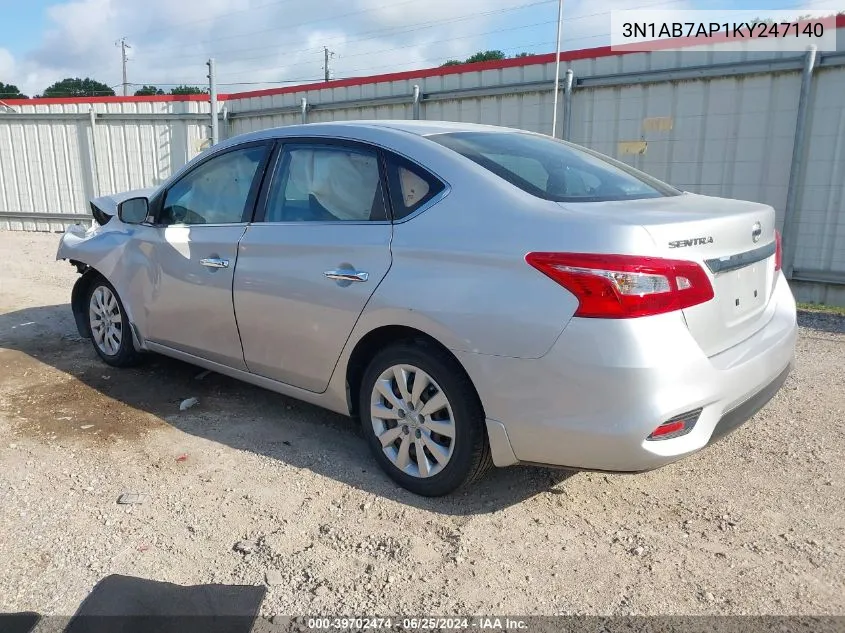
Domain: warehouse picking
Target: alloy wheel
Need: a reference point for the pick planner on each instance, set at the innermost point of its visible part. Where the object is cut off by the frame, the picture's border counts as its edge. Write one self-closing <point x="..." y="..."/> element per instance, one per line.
<point x="106" y="320"/>
<point x="412" y="419"/>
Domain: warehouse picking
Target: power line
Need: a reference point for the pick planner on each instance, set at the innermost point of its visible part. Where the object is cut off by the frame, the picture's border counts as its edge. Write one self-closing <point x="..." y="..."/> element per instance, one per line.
<point x="421" y="26"/>
<point x="391" y="31"/>
<point x="276" y="52"/>
<point x="462" y="37"/>
<point x="533" y="44"/>
<point x="394" y="48"/>
<point x="370" y="53"/>
<point x="472" y="35"/>
<point x="307" y="22"/>
<point x="520" y="48"/>
<point x="339" y="40"/>
<point x="190" y="82"/>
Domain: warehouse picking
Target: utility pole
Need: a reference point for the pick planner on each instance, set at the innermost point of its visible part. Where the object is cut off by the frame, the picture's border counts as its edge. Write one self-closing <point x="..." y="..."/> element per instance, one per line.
<point x="557" y="66"/>
<point x="212" y="97"/>
<point x="123" y="46"/>
<point x="327" y="54"/>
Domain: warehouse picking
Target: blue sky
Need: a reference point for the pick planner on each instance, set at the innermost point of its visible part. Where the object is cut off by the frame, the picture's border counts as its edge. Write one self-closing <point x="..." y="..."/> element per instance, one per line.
<point x="267" y="42"/>
<point x="24" y="23"/>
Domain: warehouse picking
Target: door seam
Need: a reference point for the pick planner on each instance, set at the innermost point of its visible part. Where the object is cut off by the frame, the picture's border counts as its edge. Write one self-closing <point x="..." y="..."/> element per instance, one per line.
<point x="232" y="294"/>
<point x="361" y="313"/>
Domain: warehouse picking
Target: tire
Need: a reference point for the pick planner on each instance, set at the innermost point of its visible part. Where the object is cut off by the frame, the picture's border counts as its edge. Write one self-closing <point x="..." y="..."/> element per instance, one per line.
<point x="450" y="462"/>
<point x="113" y="344"/>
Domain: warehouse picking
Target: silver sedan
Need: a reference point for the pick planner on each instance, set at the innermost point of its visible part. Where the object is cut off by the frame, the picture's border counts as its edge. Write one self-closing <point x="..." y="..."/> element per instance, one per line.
<point x="475" y="295"/>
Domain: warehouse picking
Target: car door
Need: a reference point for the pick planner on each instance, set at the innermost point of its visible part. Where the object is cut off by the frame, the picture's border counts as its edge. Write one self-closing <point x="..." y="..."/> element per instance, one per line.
<point x="308" y="267"/>
<point x="192" y="253"/>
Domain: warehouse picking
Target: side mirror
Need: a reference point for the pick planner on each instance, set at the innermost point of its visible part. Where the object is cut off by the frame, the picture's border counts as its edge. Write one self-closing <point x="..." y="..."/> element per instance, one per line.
<point x="134" y="210"/>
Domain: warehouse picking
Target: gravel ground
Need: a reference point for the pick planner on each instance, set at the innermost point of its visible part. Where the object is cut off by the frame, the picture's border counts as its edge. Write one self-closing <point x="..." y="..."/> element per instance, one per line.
<point x="250" y="487"/>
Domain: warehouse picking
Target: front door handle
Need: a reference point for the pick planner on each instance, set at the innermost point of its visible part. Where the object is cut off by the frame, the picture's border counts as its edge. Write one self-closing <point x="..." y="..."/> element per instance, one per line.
<point x="214" y="262"/>
<point x="347" y="275"/>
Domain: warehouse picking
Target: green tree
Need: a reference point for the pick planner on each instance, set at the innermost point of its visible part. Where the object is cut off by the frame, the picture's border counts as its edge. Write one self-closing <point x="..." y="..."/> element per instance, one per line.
<point x="148" y="91"/>
<point x="76" y="87"/>
<point x="522" y="55"/>
<point x="11" y="91"/>
<point x="485" y="56"/>
<point x="480" y="56"/>
<point x="187" y="90"/>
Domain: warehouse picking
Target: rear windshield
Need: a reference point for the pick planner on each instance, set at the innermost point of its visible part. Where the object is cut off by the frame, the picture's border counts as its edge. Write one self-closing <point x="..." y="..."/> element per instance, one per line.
<point x="553" y="169"/>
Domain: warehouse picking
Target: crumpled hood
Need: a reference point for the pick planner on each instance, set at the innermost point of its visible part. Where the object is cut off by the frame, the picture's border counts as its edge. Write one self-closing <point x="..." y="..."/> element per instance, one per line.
<point x="104" y="207"/>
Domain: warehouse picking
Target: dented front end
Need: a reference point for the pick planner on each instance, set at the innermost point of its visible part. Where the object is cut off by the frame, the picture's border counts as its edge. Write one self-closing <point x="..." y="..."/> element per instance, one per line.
<point x="96" y="251"/>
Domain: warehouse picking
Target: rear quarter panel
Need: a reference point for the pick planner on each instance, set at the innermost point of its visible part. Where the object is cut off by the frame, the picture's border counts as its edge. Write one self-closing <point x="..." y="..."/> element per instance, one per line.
<point x="459" y="270"/>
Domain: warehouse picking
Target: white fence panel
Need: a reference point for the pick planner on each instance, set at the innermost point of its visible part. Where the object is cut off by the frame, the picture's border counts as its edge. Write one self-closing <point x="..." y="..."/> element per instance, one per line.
<point x="728" y="137"/>
<point x="706" y="120"/>
<point x="53" y="158"/>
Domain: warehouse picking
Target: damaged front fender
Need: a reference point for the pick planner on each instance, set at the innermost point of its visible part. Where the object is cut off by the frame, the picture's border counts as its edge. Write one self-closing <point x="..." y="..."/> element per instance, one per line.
<point x="100" y="251"/>
<point x="99" y="247"/>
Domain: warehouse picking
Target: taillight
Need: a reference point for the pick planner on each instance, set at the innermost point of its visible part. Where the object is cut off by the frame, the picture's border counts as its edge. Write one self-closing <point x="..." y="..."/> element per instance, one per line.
<point x="778" y="251"/>
<point x="625" y="286"/>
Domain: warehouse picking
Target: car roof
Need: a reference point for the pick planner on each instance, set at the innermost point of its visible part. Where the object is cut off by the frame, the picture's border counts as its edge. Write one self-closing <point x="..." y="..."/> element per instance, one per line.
<point x="418" y="128"/>
<point x="424" y="128"/>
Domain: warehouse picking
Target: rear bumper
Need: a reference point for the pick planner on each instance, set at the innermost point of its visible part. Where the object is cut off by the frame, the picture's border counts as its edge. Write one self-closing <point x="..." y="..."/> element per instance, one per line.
<point x="738" y="416"/>
<point x="606" y="385"/>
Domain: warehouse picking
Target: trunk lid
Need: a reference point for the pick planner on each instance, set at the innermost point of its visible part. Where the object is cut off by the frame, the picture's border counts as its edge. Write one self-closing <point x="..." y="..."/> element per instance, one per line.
<point x="733" y="240"/>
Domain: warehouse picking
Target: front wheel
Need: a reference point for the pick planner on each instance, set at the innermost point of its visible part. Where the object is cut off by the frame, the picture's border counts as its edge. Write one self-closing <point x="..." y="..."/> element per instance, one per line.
<point x="108" y="325"/>
<point x="423" y="420"/>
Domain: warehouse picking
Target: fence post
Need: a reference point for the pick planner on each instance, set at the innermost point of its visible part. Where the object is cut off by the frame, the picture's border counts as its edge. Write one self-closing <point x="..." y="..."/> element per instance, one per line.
<point x="791" y="213"/>
<point x="95" y="173"/>
<point x="416" y="108"/>
<point x="567" y="105"/>
<point x="304" y="109"/>
<point x="212" y="97"/>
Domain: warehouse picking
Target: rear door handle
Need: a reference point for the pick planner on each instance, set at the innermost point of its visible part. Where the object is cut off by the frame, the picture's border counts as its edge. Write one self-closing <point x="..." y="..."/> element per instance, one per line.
<point x="347" y="275"/>
<point x="214" y="262"/>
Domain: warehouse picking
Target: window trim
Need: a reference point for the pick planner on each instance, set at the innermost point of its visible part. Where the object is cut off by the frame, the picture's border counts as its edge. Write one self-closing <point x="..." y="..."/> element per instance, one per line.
<point x="392" y="171"/>
<point x="275" y="164"/>
<point x="251" y="200"/>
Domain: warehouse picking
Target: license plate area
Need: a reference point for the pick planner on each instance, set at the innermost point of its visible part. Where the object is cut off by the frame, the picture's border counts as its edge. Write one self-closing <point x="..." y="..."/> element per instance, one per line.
<point x="743" y="292"/>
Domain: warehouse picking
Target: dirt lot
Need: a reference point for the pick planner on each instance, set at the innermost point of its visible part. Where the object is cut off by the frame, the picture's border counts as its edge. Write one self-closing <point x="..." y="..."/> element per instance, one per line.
<point x="753" y="525"/>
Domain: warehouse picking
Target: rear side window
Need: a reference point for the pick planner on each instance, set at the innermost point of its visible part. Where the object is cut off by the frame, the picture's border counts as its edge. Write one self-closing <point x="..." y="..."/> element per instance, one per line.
<point x="326" y="183"/>
<point x="410" y="186"/>
<point x="553" y="169"/>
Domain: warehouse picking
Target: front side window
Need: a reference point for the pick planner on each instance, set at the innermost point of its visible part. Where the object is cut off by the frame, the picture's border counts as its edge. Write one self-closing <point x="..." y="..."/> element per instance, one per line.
<point x="553" y="169"/>
<point x="216" y="192"/>
<point x="316" y="183"/>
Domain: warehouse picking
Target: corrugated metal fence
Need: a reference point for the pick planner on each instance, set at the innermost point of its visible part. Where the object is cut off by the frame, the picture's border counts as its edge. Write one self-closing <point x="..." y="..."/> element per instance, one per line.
<point x="706" y="120"/>
<point x="54" y="157"/>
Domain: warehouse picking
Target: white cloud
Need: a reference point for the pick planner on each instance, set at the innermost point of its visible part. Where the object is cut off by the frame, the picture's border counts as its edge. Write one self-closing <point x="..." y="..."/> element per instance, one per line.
<point x="257" y="41"/>
<point x="7" y="64"/>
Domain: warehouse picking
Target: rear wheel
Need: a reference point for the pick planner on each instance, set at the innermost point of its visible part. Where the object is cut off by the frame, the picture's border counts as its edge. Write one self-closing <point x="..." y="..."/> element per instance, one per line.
<point x="423" y="420"/>
<point x="108" y="325"/>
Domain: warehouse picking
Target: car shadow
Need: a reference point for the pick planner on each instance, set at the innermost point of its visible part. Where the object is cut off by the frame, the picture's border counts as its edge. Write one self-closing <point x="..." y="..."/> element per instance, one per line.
<point x="822" y="321"/>
<point x="230" y="412"/>
<point x="137" y="605"/>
